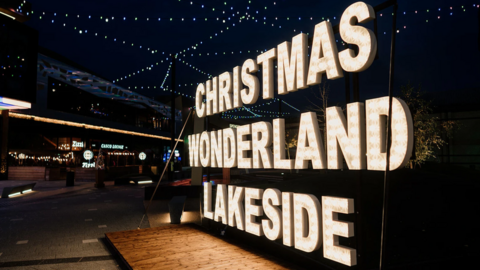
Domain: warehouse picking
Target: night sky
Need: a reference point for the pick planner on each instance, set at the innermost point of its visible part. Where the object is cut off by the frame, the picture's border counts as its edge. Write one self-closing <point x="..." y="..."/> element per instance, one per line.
<point x="441" y="54"/>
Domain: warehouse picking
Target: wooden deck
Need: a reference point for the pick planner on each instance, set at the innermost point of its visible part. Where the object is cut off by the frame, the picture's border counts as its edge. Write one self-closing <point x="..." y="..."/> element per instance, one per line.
<point x="185" y="247"/>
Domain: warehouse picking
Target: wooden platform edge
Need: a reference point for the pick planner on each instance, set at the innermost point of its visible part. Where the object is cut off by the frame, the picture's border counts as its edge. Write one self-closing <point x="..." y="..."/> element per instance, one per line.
<point x="112" y="246"/>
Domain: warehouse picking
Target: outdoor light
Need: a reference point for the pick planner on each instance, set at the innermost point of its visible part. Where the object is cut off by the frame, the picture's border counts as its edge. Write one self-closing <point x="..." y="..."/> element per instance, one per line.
<point x="324" y="55"/>
<point x="9" y="16"/>
<point x="145" y="182"/>
<point x="292" y="64"/>
<point x="272" y="228"/>
<point x="252" y="211"/>
<point x="332" y="229"/>
<point x="8" y="104"/>
<point x="243" y="146"/>
<point x="221" y="204"/>
<point x="309" y="134"/>
<point x="142" y="156"/>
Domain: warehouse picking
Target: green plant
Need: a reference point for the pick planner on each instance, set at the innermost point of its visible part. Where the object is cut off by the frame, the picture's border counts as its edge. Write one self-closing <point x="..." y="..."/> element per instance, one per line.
<point x="428" y="129"/>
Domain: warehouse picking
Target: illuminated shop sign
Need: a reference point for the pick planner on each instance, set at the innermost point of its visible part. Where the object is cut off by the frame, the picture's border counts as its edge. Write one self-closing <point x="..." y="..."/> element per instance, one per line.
<point x="88" y="165"/>
<point x="142" y="156"/>
<point x="88" y="154"/>
<point x="302" y="220"/>
<point x="112" y="146"/>
<point x="77" y="144"/>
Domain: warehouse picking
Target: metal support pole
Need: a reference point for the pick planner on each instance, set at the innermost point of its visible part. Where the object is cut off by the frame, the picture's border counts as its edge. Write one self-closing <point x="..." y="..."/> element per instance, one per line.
<point x="386" y="182"/>
<point x="356" y="87"/>
<point x="347" y="87"/>
<point x="164" y="169"/>
<point x="356" y="81"/>
<point x="172" y="117"/>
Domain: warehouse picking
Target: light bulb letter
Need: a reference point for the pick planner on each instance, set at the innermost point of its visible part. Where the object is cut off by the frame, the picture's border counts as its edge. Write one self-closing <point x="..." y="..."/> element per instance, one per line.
<point x="236" y="213"/>
<point x="307" y="209"/>
<point x="221" y="204"/>
<point x="266" y="60"/>
<point x="207" y="200"/>
<point x="333" y="228"/>
<point x="252" y="211"/>
<point x="272" y="227"/>
<point x="261" y="141"/>
<point x="225" y="92"/>
<point x="243" y="145"/>
<point x="324" y="55"/>
<point x="199" y="104"/>
<point x="250" y="95"/>
<point x="292" y="64"/>
<point x="310" y="143"/>
<point x="362" y="37"/>
<point x="279" y="161"/>
<point x="352" y="144"/>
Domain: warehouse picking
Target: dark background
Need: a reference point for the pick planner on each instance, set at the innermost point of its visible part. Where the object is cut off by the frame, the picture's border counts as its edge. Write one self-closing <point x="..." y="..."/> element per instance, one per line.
<point x="440" y="55"/>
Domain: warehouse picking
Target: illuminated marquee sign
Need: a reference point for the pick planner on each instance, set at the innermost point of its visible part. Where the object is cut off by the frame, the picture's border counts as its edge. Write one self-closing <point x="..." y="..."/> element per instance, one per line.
<point x="359" y="139"/>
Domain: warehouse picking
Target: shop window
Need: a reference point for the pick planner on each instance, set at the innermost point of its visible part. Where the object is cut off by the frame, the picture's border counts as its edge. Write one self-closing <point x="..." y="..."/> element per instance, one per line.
<point x="64" y="144"/>
<point x="49" y="142"/>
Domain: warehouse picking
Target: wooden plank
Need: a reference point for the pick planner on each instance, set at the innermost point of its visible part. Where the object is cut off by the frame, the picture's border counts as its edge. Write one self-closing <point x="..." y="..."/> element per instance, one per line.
<point x="186" y="246"/>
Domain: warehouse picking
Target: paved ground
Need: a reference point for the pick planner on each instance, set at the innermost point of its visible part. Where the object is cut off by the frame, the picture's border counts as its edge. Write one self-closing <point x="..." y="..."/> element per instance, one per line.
<point x="63" y="228"/>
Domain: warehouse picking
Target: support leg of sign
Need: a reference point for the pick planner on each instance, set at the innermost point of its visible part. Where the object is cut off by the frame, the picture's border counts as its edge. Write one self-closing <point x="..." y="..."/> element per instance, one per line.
<point x="165" y="168"/>
<point x="356" y="81"/>
<point x="386" y="181"/>
<point x="172" y="117"/>
<point x="358" y="185"/>
<point x="347" y="81"/>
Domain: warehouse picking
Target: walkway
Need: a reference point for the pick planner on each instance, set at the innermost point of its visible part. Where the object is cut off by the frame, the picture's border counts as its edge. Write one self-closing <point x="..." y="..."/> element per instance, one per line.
<point x="58" y="227"/>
